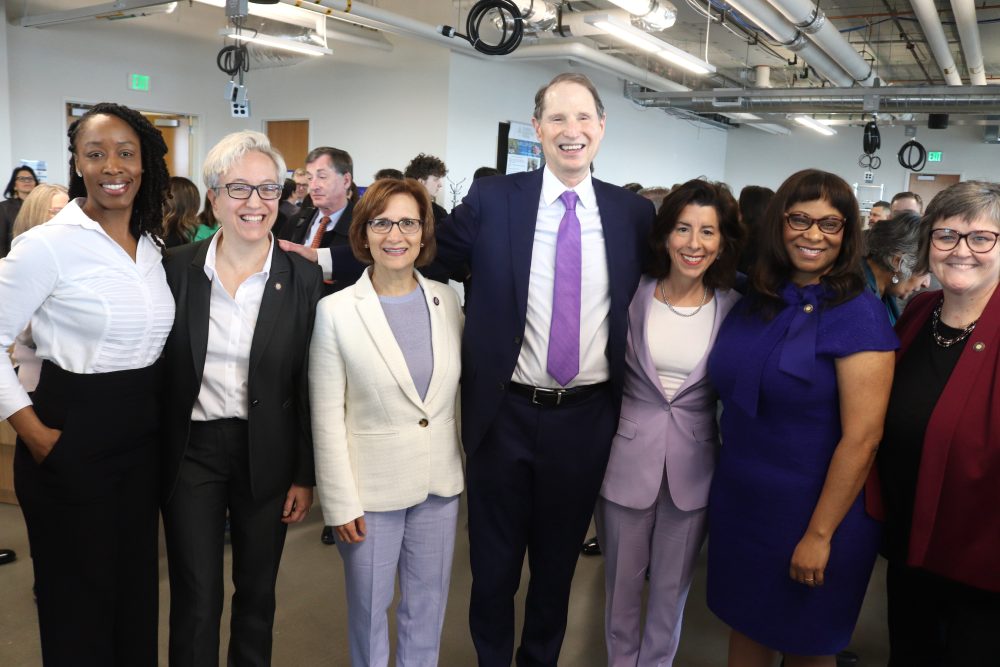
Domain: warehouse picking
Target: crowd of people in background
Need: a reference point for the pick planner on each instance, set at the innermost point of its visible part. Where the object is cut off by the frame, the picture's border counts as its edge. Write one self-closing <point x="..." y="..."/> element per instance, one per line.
<point x="214" y="360"/>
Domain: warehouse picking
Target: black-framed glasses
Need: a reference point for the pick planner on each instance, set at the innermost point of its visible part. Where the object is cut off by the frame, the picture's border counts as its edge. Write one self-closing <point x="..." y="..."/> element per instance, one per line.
<point x="267" y="191"/>
<point x="800" y="222"/>
<point x="978" y="240"/>
<point x="384" y="225"/>
<point x="25" y="179"/>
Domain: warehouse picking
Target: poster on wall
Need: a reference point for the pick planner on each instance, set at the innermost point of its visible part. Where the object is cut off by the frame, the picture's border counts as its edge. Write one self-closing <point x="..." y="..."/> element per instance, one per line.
<point x="518" y="148"/>
<point x="40" y="167"/>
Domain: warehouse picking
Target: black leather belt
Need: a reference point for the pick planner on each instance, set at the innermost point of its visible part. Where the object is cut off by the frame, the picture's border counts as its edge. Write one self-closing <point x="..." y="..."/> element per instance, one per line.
<point x="550" y="398"/>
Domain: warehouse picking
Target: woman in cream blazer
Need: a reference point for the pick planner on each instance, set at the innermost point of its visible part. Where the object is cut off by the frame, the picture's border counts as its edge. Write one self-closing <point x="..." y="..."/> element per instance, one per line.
<point x="384" y="371"/>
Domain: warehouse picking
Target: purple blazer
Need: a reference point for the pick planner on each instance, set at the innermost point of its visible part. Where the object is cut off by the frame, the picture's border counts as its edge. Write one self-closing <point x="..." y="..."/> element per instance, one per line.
<point x="680" y="436"/>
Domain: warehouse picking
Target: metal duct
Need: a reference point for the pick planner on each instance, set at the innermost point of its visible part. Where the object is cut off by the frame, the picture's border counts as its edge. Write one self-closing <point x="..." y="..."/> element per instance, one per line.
<point x="771" y="21"/>
<point x="968" y="32"/>
<point x="930" y="23"/>
<point x="810" y="20"/>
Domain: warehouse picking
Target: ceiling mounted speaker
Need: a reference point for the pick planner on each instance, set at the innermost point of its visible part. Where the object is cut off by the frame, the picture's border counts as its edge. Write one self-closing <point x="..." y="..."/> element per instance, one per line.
<point x="937" y="121"/>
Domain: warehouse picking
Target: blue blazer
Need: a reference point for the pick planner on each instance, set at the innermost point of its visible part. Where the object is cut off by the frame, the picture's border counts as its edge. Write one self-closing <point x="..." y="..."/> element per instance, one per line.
<point x="493" y="231"/>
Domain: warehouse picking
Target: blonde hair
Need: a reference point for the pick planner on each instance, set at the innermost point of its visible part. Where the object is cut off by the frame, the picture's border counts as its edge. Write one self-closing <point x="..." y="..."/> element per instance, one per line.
<point x="35" y="209"/>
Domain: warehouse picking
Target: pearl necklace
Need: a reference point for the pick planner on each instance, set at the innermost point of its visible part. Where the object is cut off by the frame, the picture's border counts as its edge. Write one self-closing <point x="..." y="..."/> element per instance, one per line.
<point x="941" y="340"/>
<point x="666" y="301"/>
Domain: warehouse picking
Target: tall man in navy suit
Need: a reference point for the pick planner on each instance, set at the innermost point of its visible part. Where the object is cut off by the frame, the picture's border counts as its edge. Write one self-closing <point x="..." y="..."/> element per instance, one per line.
<point x="555" y="257"/>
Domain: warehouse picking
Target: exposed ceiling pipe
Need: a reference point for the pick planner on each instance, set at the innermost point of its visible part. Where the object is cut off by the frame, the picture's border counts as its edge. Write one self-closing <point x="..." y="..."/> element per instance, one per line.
<point x="930" y="23"/>
<point x="968" y="32"/>
<point x="806" y="16"/>
<point x="904" y="36"/>
<point x="771" y="21"/>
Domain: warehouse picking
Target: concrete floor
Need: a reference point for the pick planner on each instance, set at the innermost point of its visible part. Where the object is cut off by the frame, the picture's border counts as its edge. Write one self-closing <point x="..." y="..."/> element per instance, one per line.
<point x="310" y="626"/>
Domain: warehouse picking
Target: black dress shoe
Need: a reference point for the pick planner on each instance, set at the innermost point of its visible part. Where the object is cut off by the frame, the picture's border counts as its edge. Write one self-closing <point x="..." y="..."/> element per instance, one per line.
<point x="591" y="547"/>
<point x="847" y="659"/>
<point x="327" y="537"/>
<point x="7" y="556"/>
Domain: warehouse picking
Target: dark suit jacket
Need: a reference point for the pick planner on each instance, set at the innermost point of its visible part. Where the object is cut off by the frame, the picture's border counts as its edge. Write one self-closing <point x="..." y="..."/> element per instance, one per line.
<point x="493" y="230"/>
<point x="280" y="436"/>
<point x="297" y="227"/>
<point x="9" y="208"/>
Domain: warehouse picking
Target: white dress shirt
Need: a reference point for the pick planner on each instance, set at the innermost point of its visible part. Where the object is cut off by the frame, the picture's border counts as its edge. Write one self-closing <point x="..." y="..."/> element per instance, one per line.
<point x="231" y="324"/>
<point x="323" y="256"/>
<point x="91" y="308"/>
<point x="595" y="296"/>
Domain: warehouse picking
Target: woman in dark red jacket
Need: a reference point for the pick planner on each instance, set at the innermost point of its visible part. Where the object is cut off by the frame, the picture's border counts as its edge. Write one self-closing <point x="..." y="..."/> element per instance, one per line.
<point x="939" y="462"/>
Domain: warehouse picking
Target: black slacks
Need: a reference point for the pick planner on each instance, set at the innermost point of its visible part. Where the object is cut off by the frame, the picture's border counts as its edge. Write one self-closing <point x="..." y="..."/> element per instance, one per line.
<point x="215" y="477"/>
<point x="937" y="622"/>
<point x="532" y="484"/>
<point x="91" y="513"/>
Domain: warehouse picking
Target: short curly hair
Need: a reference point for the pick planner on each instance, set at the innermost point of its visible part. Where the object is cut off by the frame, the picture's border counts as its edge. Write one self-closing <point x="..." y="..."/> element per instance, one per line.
<point x="423" y="166"/>
<point x="147" y="209"/>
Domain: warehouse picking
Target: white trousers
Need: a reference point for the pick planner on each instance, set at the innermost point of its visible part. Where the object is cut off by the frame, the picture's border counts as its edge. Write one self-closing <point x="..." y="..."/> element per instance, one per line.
<point x="419" y="543"/>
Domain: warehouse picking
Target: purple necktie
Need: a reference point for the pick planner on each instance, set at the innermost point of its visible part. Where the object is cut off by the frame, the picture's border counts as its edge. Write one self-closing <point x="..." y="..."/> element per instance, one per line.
<point x="564" y="332"/>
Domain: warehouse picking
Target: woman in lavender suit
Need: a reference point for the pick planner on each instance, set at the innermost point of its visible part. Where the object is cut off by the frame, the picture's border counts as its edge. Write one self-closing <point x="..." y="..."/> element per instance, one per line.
<point x="651" y="514"/>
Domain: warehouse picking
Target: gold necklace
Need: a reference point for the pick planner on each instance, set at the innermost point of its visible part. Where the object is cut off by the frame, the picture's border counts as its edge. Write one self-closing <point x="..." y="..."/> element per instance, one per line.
<point x="941" y="340"/>
<point x="704" y="300"/>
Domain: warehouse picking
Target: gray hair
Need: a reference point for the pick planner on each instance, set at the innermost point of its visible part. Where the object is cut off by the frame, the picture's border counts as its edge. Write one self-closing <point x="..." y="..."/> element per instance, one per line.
<point x="898" y="236"/>
<point x="568" y="77"/>
<point x="968" y="201"/>
<point x="232" y="148"/>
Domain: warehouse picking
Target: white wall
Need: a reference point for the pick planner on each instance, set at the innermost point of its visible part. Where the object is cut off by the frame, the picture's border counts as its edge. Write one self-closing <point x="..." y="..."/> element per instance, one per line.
<point x="382" y="107"/>
<point x="756" y="158"/>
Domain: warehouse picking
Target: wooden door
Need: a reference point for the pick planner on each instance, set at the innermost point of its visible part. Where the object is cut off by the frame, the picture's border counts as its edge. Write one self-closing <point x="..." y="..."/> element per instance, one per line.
<point x="928" y="185"/>
<point x="291" y="138"/>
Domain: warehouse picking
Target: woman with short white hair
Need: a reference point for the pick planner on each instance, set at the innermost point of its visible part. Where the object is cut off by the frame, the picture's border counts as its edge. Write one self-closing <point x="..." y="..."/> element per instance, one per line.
<point x="237" y="436"/>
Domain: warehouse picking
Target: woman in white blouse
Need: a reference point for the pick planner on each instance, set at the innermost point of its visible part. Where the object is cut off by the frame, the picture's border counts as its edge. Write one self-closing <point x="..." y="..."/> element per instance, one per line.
<point x="383" y="381"/>
<point x="91" y="284"/>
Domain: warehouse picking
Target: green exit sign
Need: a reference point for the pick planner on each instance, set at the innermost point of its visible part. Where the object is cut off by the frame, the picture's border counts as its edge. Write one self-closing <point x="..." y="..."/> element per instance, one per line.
<point x="933" y="156"/>
<point x="138" y="82"/>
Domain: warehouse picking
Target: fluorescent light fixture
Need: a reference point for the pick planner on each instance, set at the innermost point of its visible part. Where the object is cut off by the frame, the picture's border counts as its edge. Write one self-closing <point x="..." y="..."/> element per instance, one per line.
<point x="770" y="128"/>
<point x="276" y="42"/>
<point x="625" y="31"/>
<point x="814" y="125"/>
<point x="742" y="116"/>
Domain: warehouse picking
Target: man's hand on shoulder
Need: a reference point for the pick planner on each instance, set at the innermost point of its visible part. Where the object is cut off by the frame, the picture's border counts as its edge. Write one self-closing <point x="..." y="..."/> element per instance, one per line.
<point x="299" y="249"/>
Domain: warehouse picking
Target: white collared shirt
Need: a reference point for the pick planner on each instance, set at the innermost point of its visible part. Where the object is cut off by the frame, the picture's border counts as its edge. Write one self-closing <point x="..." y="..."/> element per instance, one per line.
<point x="91" y="308"/>
<point x="231" y="325"/>
<point x="595" y="297"/>
<point x="323" y="256"/>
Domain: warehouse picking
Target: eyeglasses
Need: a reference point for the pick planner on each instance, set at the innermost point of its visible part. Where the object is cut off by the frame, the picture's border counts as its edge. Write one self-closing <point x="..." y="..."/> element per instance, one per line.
<point x="301" y="186"/>
<point x="979" y="240"/>
<point x="265" y="191"/>
<point x="800" y="222"/>
<point x="25" y="179"/>
<point x="384" y="225"/>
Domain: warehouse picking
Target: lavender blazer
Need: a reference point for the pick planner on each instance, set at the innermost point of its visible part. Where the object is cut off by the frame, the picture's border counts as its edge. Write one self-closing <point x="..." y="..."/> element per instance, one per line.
<point x="679" y="436"/>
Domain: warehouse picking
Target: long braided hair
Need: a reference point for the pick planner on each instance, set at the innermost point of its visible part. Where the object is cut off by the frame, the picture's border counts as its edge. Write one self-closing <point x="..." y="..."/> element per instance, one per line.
<point x="147" y="208"/>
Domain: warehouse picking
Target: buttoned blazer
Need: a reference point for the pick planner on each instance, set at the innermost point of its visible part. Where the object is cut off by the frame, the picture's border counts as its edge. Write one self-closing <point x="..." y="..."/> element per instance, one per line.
<point x="280" y="442"/>
<point x="679" y="437"/>
<point x="378" y="446"/>
<point x="493" y="231"/>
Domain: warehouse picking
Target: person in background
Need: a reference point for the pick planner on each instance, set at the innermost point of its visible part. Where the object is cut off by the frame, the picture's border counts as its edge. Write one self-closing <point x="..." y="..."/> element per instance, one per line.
<point x="483" y="172"/>
<point x="803" y="365"/>
<point x="881" y="210"/>
<point x="890" y="258"/>
<point x="385" y="359"/>
<point x="236" y="428"/>
<point x="906" y="201"/>
<point x="651" y="514"/>
<point x="180" y="215"/>
<point x="91" y="284"/>
<point x="207" y="224"/>
<point x="938" y="463"/>
<point x="301" y="178"/>
<point x="633" y="187"/>
<point x="43" y="204"/>
<point x="655" y="194"/>
<point x="22" y="182"/>
<point x="430" y="172"/>
<point x="389" y="172"/>
<point x="754" y="200"/>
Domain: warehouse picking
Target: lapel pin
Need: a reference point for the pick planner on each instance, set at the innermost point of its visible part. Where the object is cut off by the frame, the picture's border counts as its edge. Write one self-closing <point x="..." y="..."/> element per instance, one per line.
<point x="437" y="301"/>
<point x="277" y="286"/>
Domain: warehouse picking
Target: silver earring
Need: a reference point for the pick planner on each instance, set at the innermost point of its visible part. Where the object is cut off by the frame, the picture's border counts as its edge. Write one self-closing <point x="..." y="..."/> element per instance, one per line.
<point x="78" y="174"/>
<point x="421" y="245"/>
<point x="895" y="279"/>
<point x="366" y="245"/>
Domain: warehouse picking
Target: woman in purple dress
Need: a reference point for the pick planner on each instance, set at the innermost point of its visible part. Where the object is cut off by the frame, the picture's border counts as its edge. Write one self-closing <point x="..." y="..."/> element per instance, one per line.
<point x="803" y="366"/>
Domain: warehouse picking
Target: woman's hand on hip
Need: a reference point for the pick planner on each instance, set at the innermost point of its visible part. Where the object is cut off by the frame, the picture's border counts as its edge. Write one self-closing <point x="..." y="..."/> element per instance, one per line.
<point x="809" y="560"/>
<point x="37" y="437"/>
<point x="297" y="503"/>
<point x="352" y="532"/>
